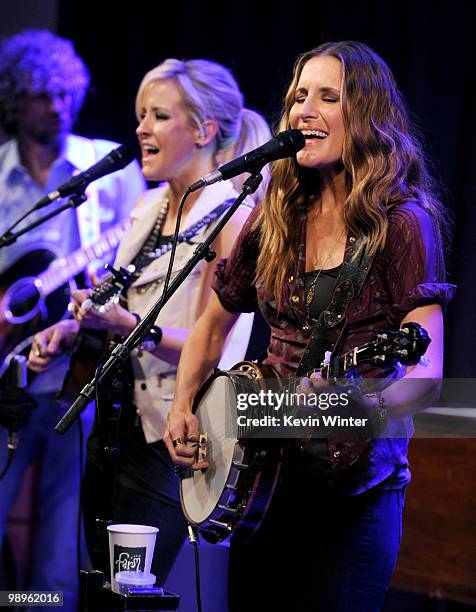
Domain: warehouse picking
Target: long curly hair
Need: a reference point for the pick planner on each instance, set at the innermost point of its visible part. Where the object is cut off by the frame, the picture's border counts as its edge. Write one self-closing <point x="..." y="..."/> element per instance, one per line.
<point x="37" y="61"/>
<point x="382" y="158"/>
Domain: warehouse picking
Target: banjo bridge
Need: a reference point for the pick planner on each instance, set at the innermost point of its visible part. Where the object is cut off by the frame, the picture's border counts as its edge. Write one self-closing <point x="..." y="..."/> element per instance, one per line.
<point x="201" y="452"/>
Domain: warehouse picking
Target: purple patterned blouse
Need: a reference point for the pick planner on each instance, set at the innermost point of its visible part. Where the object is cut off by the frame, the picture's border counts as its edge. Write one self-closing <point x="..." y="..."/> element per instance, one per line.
<point x="408" y="272"/>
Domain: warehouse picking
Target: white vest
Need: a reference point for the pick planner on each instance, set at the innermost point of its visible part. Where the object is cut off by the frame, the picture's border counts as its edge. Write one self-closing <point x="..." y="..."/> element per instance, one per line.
<point x="154" y="379"/>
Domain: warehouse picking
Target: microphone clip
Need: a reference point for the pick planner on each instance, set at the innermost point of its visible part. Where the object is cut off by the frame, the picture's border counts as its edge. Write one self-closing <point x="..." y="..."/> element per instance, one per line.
<point x="15" y="403"/>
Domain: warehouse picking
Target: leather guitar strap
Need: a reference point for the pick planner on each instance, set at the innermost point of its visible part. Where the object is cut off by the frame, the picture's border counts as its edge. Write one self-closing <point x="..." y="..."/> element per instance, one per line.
<point x="331" y="322"/>
<point x="330" y="325"/>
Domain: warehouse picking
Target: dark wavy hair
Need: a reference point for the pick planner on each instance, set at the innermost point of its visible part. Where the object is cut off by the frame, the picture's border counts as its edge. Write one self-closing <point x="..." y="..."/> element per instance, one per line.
<point x="383" y="161"/>
<point x="38" y="61"/>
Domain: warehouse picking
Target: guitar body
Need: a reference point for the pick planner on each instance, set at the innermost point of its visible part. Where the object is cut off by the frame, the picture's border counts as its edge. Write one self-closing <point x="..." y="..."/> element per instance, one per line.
<point x="31" y="303"/>
<point x="90" y="348"/>
<point x="23" y="310"/>
<point x="235" y="491"/>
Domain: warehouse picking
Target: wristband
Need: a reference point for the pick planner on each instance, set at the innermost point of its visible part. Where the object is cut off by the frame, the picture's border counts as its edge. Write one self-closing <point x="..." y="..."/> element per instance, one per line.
<point x="379" y="418"/>
<point x="151" y="340"/>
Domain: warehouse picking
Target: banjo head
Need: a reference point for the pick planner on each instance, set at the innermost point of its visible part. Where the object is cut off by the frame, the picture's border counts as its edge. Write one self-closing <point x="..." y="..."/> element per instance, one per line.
<point x="202" y="491"/>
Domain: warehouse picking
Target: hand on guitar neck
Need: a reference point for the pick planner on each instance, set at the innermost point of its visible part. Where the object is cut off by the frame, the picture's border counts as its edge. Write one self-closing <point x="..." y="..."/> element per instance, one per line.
<point x="55" y="340"/>
<point x="114" y="318"/>
<point x="105" y="315"/>
<point x="346" y="400"/>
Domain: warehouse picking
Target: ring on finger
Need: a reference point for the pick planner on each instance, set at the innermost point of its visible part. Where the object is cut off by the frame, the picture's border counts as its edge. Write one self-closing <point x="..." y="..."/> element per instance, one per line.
<point x="177" y="441"/>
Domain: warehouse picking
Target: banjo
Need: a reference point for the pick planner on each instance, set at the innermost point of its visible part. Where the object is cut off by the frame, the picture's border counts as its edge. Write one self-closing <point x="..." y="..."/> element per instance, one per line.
<point x="233" y="494"/>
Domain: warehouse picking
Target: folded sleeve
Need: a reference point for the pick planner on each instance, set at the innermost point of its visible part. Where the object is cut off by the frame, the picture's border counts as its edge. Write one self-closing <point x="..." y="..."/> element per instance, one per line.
<point x="414" y="263"/>
<point x="234" y="280"/>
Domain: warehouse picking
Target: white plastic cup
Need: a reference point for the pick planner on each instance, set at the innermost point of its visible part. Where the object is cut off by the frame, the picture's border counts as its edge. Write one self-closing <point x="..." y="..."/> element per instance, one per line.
<point x="131" y="548"/>
<point x="133" y="580"/>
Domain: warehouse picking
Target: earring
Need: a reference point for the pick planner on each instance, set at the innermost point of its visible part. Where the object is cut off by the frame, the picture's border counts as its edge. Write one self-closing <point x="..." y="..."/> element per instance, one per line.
<point x="198" y="145"/>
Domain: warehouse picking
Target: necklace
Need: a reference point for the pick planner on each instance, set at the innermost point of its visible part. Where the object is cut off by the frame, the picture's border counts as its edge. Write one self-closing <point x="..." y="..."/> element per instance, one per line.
<point x="143" y="258"/>
<point x="312" y="288"/>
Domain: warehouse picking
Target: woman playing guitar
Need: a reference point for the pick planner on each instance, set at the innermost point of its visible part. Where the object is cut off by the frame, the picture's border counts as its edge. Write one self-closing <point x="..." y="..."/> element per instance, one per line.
<point x="189" y="113"/>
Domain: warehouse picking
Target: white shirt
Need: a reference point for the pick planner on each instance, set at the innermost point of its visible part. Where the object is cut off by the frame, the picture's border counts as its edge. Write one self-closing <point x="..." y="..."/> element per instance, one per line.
<point x="116" y="195"/>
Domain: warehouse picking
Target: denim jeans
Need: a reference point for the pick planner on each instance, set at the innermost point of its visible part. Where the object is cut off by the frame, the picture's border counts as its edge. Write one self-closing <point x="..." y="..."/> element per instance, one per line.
<point x="55" y="558"/>
<point x="318" y="550"/>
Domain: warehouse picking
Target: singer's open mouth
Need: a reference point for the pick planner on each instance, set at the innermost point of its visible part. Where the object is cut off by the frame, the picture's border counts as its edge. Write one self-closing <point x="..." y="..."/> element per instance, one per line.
<point x="314" y="134"/>
<point x="148" y="150"/>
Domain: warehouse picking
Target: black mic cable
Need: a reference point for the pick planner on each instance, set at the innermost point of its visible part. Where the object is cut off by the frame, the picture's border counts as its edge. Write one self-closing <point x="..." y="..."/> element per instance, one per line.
<point x="193" y="538"/>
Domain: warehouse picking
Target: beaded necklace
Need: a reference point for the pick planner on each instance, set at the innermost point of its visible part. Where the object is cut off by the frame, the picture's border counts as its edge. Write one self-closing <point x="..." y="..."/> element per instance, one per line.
<point x="143" y="257"/>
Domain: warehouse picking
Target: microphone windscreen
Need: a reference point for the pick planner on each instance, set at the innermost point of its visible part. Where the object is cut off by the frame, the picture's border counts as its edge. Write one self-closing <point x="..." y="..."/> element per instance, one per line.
<point x="293" y="140"/>
<point x="123" y="155"/>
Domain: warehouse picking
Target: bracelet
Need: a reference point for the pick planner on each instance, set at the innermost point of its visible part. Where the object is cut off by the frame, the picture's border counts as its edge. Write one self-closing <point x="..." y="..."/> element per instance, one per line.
<point x="151" y="340"/>
<point x="381" y="411"/>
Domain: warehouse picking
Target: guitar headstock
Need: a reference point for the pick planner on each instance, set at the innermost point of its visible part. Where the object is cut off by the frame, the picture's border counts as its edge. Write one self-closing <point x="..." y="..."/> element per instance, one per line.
<point x="406" y="346"/>
<point x="107" y="293"/>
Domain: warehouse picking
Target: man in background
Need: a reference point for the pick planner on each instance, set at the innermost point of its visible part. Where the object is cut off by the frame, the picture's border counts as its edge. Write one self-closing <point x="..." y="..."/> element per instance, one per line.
<point x="43" y="84"/>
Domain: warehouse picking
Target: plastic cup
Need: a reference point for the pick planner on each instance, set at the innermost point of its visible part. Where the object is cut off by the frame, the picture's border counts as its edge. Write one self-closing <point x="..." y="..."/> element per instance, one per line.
<point x="133" y="580"/>
<point x="131" y="548"/>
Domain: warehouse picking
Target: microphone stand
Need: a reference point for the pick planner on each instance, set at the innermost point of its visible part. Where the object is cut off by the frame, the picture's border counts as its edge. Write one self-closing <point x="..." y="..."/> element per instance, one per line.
<point x="9" y="238"/>
<point x="122" y="351"/>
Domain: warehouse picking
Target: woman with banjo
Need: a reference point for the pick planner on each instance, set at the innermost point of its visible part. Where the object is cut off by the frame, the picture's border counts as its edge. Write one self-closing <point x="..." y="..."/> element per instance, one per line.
<point x="346" y="244"/>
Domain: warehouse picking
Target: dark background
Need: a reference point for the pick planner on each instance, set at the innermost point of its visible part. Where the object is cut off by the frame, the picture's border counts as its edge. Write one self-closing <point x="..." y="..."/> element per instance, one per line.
<point x="430" y="47"/>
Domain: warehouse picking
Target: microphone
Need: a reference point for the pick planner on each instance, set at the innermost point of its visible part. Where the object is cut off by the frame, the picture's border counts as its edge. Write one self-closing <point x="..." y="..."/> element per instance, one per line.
<point x="285" y="144"/>
<point x="17" y="379"/>
<point x="14" y="403"/>
<point x="115" y="160"/>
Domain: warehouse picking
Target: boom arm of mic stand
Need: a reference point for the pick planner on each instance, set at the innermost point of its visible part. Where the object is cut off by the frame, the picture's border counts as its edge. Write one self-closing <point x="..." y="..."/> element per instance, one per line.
<point x="122" y="351"/>
<point x="9" y="238"/>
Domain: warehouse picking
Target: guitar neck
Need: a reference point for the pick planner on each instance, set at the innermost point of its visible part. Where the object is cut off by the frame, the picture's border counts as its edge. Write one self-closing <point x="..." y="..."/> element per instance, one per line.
<point x="387" y="349"/>
<point x="66" y="267"/>
<point x="340" y="366"/>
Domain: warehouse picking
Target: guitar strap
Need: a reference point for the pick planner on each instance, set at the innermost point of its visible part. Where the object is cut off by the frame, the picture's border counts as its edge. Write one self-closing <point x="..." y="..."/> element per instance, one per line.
<point x="193" y="230"/>
<point x="326" y="334"/>
<point x="331" y="322"/>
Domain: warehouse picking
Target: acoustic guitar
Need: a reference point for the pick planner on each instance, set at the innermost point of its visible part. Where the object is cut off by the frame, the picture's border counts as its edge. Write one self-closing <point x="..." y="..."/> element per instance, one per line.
<point x="91" y="345"/>
<point x="34" y="302"/>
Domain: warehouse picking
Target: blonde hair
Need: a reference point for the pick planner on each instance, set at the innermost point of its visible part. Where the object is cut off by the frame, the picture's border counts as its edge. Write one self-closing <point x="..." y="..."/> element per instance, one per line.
<point x="382" y="159"/>
<point x="254" y="132"/>
<point x="210" y="92"/>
